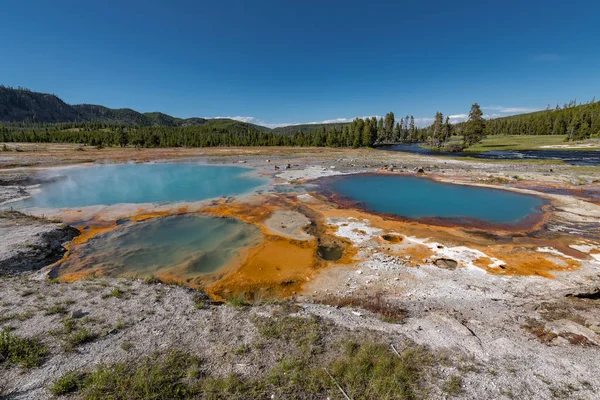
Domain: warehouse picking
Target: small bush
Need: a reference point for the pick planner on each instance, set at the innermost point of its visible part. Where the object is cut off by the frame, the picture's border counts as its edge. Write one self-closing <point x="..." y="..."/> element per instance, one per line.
<point x="454" y="147"/>
<point x="68" y="383"/>
<point x="27" y="352"/>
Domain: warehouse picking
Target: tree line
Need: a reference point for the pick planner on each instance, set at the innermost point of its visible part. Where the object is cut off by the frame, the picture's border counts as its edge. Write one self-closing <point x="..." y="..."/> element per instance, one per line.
<point x="574" y="121"/>
<point x="361" y="132"/>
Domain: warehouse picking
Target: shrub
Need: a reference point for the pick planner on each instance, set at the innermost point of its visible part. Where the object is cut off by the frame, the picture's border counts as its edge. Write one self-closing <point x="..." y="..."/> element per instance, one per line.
<point x="27" y="352"/>
<point x="454" y="147"/>
<point x="68" y="383"/>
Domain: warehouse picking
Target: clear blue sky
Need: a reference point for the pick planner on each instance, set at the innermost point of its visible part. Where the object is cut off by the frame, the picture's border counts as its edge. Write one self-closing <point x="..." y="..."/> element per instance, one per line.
<point x="304" y="61"/>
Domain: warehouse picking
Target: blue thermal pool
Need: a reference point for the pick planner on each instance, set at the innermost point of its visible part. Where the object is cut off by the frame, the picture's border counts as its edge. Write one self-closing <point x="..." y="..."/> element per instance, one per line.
<point x="142" y="183"/>
<point x="423" y="198"/>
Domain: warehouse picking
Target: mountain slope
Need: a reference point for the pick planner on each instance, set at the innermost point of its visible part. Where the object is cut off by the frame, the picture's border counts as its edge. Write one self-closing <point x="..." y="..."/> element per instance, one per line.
<point x="24" y="106"/>
<point x="20" y="105"/>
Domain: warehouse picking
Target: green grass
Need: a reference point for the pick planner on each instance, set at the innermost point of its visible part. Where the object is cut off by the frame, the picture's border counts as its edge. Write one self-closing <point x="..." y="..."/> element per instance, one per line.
<point x="26" y="352"/>
<point x="362" y="370"/>
<point x="115" y="292"/>
<point x="56" y="309"/>
<point x="81" y="336"/>
<point x="306" y="333"/>
<point x="68" y="383"/>
<point x="237" y="301"/>
<point x="158" y="377"/>
<point x="521" y="142"/>
<point x="73" y="333"/>
<point x="453" y="386"/>
<point x="25" y="315"/>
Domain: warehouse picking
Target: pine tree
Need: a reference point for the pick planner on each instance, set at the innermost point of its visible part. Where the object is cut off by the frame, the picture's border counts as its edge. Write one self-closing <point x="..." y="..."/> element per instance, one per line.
<point x="389" y="126"/>
<point x="435" y="130"/>
<point x="380" y="130"/>
<point x="573" y="128"/>
<point x="474" y="129"/>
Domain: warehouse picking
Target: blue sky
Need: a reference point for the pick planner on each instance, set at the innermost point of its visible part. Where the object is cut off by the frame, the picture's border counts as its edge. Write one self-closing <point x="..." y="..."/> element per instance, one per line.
<point x="283" y="62"/>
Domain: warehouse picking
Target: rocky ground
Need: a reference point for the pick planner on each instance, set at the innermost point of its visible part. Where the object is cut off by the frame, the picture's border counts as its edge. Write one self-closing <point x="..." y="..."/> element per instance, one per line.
<point x="469" y="333"/>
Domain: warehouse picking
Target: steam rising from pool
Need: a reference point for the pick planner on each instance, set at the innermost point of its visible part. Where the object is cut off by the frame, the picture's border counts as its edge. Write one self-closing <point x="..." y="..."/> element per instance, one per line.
<point x="142" y="183"/>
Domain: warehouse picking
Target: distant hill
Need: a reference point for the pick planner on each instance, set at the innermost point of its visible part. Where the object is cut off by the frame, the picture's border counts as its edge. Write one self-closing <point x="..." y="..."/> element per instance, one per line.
<point x="24" y="106"/>
<point x="20" y="105"/>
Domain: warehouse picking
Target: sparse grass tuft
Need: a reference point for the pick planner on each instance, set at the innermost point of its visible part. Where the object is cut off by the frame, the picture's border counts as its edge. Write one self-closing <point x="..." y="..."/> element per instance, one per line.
<point x="376" y="303"/>
<point x="56" y="309"/>
<point x="237" y="300"/>
<point x="82" y="336"/>
<point x="26" y="352"/>
<point x="241" y="350"/>
<point x="306" y="333"/>
<point x="25" y="315"/>
<point x="151" y="280"/>
<point x="126" y="346"/>
<point x="74" y="334"/>
<point x="120" y="325"/>
<point x="27" y="292"/>
<point x="115" y="292"/>
<point x="200" y="300"/>
<point x="68" y="383"/>
<point x="453" y="386"/>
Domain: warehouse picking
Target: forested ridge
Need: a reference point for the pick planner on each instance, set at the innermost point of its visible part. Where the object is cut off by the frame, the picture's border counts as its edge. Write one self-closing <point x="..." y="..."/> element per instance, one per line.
<point x="27" y="116"/>
<point x="577" y="121"/>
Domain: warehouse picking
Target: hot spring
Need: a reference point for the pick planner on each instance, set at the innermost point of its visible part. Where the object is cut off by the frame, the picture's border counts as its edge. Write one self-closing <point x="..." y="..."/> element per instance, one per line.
<point x="182" y="247"/>
<point x="423" y="198"/>
<point x="141" y="183"/>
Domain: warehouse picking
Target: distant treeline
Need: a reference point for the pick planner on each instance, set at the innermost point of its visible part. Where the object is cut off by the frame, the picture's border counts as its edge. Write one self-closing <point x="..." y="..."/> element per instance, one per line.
<point x="359" y="133"/>
<point x="575" y="121"/>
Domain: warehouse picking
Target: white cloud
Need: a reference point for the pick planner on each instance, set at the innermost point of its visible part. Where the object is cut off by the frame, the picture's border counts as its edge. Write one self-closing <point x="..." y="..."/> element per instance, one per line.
<point x="511" y="110"/>
<point x="496" y="111"/>
<point x="421" y="122"/>
<point x="256" y="121"/>
<point x="458" y="118"/>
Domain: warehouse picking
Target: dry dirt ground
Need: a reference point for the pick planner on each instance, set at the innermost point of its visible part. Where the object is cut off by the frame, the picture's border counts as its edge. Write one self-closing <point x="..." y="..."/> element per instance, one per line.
<point x="487" y="333"/>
